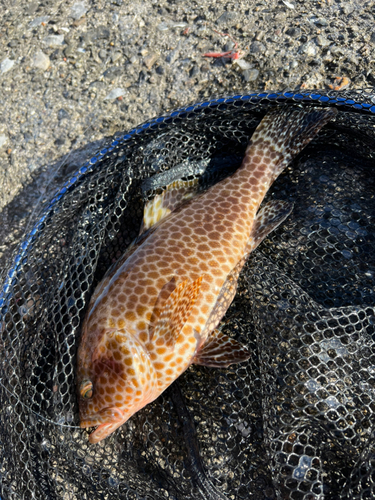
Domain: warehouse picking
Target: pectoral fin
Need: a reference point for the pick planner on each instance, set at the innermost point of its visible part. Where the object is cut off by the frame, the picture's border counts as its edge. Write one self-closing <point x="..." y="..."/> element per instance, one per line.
<point x="169" y="200"/>
<point x="271" y="215"/>
<point x="175" y="313"/>
<point x="220" y="351"/>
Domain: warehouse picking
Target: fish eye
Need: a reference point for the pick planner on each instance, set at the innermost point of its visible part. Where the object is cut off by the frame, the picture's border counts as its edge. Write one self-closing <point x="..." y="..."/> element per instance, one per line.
<point x="86" y="389"/>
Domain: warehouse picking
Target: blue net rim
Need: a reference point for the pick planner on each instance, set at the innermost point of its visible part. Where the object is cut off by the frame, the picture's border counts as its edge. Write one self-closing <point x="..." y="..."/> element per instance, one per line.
<point x="355" y="102"/>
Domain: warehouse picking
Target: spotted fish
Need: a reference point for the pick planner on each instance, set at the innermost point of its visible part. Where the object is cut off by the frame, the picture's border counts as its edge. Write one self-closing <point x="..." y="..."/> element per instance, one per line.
<point x="157" y="310"/>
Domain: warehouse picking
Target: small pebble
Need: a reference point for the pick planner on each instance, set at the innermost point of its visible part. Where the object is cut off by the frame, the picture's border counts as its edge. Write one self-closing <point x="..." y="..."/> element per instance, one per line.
<point x="172" y="56"/>
<point x="288" y="4"/>
<point x="78" y="10"/>
<point x="293" y="32"/>
<point x="38" y="21"/>
<point x="32" y="8"/>
<point x="6" y="65"/>
<point x="61" y="114"/>
<point x="228" y="46"/>
<point x="163" y="26"/>
<point x="194" y="71"/>
<point x="150" y="60"/>
<point x="226" y="18"/>
<point x="347" y="8"/>
<point x="97" y="85"/>
<point x="3" y="139"/>
<point x="112" y="72"/>
<point x="54" y="40"/>
<point x="41" y="61"/>
<point x="257" y="48"/>
<point x="322" y="41"/>
<point x="242" y="64"/>
<point x="321" y="22"/>
<point x="99" y="33"/>
<point x="115" y="56"/>
<point x="114" y="94"/>
<point x="69" y="51"/>
<point x="250" y="75"/>
<point x="59" y="141"/>
<point x="309" y="49"/>
<point x="103" y="54"/>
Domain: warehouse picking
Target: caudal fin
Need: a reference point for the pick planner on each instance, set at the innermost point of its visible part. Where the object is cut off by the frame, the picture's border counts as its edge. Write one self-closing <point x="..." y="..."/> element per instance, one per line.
<point x="282" y="134"/>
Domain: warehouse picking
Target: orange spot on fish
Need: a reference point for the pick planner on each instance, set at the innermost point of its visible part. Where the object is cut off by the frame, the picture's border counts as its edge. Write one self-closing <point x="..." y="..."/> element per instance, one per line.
<point x="182" y="350"/>
<point x="143" y="337"/>
<point x="210" y="298"/>
<point x="205" y="309"/>
<point x="141" y="325"/>
<point x="141" y="310"/>
<point x="120" y="323"/>
<point x="129" y="315"/>
<point x="117" y="355"/>
<point x="124" y="350"/>
<point x="141" y="368"/>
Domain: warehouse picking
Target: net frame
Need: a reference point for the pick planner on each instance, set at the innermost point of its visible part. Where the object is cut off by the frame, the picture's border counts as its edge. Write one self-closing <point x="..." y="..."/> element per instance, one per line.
<point x="297" y="474"/>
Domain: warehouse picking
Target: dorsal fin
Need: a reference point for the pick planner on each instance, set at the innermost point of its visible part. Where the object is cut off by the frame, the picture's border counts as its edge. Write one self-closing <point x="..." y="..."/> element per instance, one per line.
<point x="176" y="312"/>
<point x="169" y="200"/>
<point x="220" y="351"/>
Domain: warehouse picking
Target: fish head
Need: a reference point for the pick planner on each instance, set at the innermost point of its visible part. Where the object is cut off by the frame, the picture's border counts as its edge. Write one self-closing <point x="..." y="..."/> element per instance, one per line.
<point x="115" y="380"/>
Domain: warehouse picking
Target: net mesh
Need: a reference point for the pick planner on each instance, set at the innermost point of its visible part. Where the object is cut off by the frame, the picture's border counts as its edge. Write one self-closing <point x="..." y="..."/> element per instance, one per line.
<point x="296" y="420"/>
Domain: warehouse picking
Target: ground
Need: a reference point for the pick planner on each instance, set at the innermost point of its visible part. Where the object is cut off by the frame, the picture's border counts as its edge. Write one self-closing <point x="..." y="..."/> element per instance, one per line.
<point x="73" y="73"/>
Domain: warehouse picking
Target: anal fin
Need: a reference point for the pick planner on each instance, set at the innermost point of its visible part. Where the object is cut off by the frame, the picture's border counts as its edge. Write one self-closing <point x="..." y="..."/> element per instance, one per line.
<point x="268" y="218"/>
<point x="220" y="351"/>
<point x="176" y="312"/>
<point x="169" y="200"/>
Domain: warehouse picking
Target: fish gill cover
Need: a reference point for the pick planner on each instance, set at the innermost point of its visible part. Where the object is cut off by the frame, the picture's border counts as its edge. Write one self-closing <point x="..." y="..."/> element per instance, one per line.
<point x="295" y="420"/>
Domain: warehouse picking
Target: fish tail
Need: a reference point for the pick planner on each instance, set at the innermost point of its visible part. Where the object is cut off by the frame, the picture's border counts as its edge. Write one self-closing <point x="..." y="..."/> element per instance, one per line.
<point x="281" y="136"/>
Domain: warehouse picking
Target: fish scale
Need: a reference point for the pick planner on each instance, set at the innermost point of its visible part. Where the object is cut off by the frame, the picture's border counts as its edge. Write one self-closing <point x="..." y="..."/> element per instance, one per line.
<point x="157" y="310"/>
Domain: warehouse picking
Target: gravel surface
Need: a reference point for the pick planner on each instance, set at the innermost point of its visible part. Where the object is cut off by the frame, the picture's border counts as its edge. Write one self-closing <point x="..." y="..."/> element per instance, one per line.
<point x="73" y="73"/>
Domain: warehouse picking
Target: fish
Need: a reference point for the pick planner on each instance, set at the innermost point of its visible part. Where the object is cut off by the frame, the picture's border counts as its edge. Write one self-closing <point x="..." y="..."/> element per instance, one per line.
<point x="158" y="308"/>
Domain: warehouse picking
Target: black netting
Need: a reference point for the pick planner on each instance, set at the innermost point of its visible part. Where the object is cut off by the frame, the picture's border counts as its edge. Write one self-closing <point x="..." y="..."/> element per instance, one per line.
<point x="296" y="420"/>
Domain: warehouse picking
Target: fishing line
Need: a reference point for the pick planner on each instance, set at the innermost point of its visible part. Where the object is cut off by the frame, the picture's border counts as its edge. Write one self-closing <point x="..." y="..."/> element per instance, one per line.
<point x="38" y="414"/>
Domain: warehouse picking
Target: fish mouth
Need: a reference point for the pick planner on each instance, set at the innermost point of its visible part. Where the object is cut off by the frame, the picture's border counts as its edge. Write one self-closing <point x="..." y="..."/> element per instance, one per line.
<point x="108" y="419"/>
<point x="103" y="431"/>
